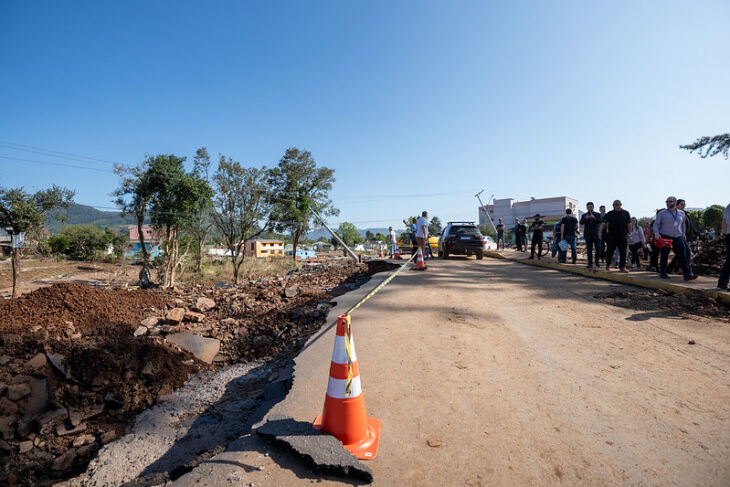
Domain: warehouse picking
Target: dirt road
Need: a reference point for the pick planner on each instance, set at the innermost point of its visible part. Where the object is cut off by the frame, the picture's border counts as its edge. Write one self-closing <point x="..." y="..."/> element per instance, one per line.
<point x="517" y="375"/>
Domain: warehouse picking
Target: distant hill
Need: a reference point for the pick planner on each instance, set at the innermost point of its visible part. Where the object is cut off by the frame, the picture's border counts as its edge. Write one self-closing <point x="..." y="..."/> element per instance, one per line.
<point x="82" y="214"/>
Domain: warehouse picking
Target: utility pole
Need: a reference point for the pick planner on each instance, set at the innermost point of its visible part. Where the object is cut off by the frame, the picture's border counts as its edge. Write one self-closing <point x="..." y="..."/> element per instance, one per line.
<point x="478" y="196"/>
<point x="337" y="237"/>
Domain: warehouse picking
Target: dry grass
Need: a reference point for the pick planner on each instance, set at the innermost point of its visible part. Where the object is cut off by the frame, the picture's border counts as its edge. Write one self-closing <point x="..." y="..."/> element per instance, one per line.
<point x="215" y="271"/>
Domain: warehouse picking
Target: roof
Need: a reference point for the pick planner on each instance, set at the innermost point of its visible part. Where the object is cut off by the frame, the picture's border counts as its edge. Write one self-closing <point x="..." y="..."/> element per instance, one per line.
<point x="267" y="240"/>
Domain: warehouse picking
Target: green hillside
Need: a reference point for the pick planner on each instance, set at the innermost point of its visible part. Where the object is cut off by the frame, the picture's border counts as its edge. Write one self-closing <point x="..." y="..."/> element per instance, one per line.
<point x="81" y="214"/>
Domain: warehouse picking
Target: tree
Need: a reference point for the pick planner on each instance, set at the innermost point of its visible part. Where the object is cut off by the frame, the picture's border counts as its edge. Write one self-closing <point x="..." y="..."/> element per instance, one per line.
<point x="719" y="144"/>
<point x="299" y="187"/>
<point x="349" y="234"/>
<point x="177" y="197"/>
<point x="242" y="206"/>
<point x="712" y="216"/>
<point x="84" y="241"/>
<point x="380" y="237"/>
<point x="133" y="197"/>
<point x="22" y="212"/>
<point x="369" y="235"/>
<point x="434" y="226"/>
<point x="201" y="220"/>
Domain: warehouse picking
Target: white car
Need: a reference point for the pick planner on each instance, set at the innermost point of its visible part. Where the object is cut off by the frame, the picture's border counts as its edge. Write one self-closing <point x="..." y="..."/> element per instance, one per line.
<point x="489" y="243"/>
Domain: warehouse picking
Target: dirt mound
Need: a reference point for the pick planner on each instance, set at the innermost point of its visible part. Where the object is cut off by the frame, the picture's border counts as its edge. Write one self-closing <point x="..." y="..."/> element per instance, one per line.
<point x="710" y="258"/>
<point x="85" y="306"/>
<point x="73" y="373"/>
<point x="684" y="305"/>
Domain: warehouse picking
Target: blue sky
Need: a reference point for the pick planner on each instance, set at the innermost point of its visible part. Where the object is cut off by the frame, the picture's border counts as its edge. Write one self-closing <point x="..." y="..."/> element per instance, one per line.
<point x="416" y="105"/>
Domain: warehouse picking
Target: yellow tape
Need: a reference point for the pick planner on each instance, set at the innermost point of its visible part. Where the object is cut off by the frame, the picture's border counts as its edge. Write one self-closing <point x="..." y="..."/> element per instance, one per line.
<point x="348" y="337"/>
<point x="380" y="286"/>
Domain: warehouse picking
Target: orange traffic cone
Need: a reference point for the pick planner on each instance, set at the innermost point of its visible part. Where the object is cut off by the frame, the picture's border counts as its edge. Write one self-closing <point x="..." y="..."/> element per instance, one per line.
<point x="420" y="264"/>
<point x="344" y="413"/>
<point x="396" y="256"/>
<point x="380" y="253"/>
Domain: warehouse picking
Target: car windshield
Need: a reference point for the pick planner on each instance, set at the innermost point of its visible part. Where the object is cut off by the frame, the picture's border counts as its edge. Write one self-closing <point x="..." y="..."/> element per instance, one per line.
<point x="464" y="230"/>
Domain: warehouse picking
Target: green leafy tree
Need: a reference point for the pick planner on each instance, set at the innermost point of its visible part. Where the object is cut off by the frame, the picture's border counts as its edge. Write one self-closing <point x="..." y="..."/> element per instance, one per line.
<point x="201" y="221"/>
<point x="242" y="207"/>
<point x="133" y="197"/>
<point x="712" y="216"/>
<point x="349" y="234"/>
<point x="434" y="226"/>
<point x="177" y="197"/>
<point x="380" y="237"/>
<point x="299" y="187"/>
<point x="85" y="241"/>
<point x="710" y="146"/>
<point x="369" y="235"/>
<point x="22" y="212"/>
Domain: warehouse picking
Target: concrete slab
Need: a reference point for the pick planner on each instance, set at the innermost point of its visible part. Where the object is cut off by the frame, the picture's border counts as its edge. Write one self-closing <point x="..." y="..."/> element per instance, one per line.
<point x="203" y="348"/>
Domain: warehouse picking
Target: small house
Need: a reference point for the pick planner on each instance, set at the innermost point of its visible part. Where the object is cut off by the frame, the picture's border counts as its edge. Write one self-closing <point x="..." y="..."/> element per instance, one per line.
<point x="264" y="248"/>
<point x="151" y="242"/>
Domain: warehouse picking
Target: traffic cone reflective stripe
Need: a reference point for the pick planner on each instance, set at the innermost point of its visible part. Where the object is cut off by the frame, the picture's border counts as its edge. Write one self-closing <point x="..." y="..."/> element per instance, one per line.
<point x="397" y="253"/>
<point x="344" y="413"/>
<point x="420" y="264"/>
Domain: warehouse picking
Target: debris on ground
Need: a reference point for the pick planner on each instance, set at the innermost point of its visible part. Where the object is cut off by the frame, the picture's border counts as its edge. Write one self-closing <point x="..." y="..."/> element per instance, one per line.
<point x="710" y="258"/>
<point x="79" y="362"/>
<point x="677" y="304"/>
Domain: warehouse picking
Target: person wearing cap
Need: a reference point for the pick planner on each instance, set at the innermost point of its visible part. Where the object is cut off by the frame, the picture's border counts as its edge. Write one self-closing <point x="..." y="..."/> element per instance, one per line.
<point x="670" y="224"/>
<point x="536" y="229"/>
<point x="614" y="230"/>
<point x="722" y="282"/>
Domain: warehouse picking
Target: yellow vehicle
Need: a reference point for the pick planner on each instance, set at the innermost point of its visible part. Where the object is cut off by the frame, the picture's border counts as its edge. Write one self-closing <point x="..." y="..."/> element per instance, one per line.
<point x="404" y="243"/>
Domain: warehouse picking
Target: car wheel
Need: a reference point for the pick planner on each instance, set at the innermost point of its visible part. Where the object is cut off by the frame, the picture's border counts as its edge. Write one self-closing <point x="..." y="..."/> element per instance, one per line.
<point x="480" y="256"/>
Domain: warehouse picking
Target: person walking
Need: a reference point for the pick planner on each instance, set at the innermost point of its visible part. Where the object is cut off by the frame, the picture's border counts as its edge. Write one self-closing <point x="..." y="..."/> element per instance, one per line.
<point x="614" y="228"/>
<point x="591" y="222"/>
<point x="536" y="229"/>
<point x="722" y="282"/>
<point x="669" y="224"/>
<point x="500" y="234"/>
<point x="654" y="254"/>
<point x="637" y="242"/>
<point x="690" y="235"/>
<point x="601" y="240"/>
<point x="422" y="232"/>
<point x="568" y="228"/>
<point x="518" y="235"/>
<point x="392" y="241"/>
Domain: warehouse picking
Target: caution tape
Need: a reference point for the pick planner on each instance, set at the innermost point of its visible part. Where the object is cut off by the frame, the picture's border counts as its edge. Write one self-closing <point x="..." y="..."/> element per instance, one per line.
<point x="380" y="286"/>
<point x="348" y="329"/>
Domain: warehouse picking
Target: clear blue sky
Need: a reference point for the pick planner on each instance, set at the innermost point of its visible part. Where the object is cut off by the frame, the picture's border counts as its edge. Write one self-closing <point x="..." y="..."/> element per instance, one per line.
<point x="584" y="99"/>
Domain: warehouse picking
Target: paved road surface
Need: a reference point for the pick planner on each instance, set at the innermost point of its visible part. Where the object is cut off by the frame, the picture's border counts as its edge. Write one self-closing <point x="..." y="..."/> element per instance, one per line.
<point x="524" y="379"/>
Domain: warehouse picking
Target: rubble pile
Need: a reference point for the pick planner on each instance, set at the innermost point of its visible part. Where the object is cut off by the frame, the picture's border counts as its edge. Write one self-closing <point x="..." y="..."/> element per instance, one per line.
<point x="684" y="305"/>
<point x="77" y="362"/>
<point x="710" y="258"/>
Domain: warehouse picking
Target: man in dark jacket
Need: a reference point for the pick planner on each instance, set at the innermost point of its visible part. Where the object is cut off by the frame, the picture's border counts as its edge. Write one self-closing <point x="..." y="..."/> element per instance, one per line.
<point x="591" y="222"/>
<point x="614" y="229"/>
<point x="518" y="234"/>
<point x="536" y="228"/>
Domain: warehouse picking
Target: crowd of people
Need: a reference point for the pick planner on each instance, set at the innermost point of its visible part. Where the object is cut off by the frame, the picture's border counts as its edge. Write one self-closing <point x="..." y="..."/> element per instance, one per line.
<point x="616" y="239"/>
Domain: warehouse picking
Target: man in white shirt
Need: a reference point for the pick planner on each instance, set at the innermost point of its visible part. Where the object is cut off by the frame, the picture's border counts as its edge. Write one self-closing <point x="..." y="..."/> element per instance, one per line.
<point x="392" y="240"/>
<point x="725" y="272"/>
<point x="422" y="232"/>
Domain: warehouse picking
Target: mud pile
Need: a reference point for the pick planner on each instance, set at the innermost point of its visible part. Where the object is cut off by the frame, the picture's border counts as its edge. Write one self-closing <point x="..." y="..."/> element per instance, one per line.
<point x="77" y="362"/>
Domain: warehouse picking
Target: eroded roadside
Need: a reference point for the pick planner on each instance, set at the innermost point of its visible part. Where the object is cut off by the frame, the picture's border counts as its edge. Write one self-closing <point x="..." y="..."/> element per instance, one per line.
<point x="75" y="376"/>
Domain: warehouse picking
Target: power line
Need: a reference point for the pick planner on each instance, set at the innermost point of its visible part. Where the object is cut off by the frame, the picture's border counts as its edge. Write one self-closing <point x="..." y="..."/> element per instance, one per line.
<point x="54" y="153"/>
<point x="56" y="164"/>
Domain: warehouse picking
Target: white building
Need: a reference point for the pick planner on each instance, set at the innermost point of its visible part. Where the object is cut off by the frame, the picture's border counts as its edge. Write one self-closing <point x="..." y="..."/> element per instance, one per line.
<point x="550" y="209"/>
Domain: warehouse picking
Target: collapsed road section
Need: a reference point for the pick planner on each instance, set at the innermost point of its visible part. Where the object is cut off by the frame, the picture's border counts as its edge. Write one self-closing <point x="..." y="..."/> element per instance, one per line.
<point x="79" y="363"/>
